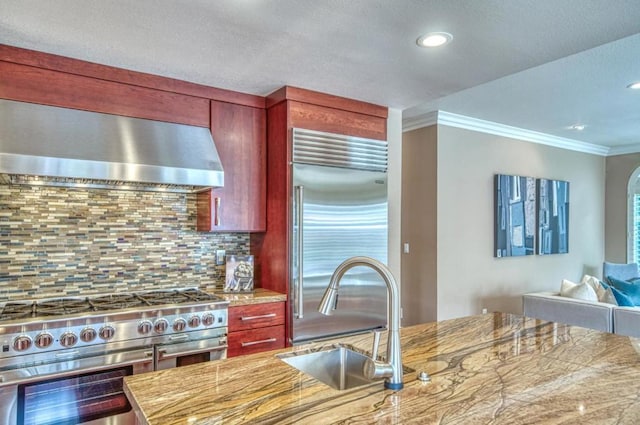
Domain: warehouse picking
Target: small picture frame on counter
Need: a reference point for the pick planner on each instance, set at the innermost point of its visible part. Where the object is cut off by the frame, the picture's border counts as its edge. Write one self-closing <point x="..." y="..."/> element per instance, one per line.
<point x="239" y="274"/>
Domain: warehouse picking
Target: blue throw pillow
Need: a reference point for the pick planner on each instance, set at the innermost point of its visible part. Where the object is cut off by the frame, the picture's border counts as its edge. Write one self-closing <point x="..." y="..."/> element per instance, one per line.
<point x="629" y="293"/>
<point x="621" y="299"/>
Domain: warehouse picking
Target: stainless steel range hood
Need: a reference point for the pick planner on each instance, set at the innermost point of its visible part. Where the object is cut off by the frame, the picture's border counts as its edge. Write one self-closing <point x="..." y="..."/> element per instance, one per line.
<point x="48" y="145"/>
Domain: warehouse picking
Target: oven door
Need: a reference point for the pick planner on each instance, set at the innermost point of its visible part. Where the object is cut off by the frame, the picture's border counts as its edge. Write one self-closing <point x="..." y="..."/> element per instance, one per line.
<point x="76" y="391"/>
<point x="176" y="354"/>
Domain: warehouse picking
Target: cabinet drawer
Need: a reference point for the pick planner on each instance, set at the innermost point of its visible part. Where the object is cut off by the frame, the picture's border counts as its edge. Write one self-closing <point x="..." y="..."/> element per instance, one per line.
<point x="255" y="316"/>
<point x="255" y="340"/>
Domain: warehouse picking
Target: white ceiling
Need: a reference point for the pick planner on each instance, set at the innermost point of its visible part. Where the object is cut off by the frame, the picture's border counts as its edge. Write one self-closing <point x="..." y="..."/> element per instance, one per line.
<point x="540" y="65"/>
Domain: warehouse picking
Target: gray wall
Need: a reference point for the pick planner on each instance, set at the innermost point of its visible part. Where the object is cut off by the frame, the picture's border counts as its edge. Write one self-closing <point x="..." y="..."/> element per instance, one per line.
<point x="419" y="225"/>
<point x="469" y="278"/>
<point x="619" y="169"/>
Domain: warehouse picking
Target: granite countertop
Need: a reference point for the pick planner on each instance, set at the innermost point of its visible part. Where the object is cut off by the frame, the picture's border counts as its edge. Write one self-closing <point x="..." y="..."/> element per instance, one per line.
<point x="258" y="296"/>
<point x="494" y="368"/>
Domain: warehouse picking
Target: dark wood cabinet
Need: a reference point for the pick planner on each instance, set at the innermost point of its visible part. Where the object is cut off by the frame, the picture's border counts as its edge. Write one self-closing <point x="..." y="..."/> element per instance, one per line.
<point x="255" y="328"/>
<point x="44" y="86"/>
<point x="240" y="206"/>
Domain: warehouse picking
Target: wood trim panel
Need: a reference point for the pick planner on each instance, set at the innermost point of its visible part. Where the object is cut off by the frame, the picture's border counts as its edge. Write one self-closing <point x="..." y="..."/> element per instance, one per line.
<point x="271" y="249"/>
<point x="37" y="85"/>
<point x="255" y="316"/>
<point x="109" y="73"/>
<point x="314" y="117"/>
<point x="328" y="100"/>
<point x="255" y="340"/>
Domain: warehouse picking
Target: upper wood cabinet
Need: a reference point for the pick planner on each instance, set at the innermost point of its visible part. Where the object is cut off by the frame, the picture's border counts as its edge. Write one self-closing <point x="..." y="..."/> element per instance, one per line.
<point x="37" y="85"/>
<point x="240" y="206"/>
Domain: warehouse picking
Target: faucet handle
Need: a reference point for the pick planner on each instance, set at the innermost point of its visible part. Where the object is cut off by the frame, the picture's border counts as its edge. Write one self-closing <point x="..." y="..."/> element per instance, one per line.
<point x="376" y="344"/>
<point x="374" y="369"/>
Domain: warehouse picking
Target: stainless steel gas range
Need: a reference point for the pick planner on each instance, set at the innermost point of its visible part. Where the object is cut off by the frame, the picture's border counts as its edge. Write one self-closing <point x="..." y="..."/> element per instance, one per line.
<point x="62" y="361"/>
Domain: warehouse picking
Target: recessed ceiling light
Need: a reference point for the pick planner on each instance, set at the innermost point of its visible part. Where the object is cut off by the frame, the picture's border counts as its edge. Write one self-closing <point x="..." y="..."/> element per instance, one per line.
<point x="634" y="86"/>
<point x="434" y="39"/>
<point x="577" y="127"/>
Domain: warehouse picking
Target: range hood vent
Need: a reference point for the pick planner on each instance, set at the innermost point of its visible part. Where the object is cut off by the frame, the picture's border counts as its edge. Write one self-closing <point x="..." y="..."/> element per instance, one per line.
<point x="47" y="145"/>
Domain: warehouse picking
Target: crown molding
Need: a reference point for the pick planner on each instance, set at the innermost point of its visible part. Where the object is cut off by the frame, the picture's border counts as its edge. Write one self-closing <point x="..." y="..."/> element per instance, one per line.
<point x="625" y="149"/>
<point x="424" y="120"/>
<point x="489" y="127"/>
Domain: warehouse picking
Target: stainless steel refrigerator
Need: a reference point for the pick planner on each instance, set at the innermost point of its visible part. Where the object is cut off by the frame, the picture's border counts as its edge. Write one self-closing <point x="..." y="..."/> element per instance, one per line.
<point x="339" y="211"/>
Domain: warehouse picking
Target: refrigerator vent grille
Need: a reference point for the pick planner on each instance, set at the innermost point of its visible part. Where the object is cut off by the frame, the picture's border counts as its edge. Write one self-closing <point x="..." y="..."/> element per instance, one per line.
<point x="320" y="148"/>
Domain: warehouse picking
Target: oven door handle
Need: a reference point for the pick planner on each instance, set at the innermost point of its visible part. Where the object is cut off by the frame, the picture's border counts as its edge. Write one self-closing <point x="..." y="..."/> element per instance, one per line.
<point x="163" y="354"/>
<point x="170" y="351"/>
<point x="85" y="365"/>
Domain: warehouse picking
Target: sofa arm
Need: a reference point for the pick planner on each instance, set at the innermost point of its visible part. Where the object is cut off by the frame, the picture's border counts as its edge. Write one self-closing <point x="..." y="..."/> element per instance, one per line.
<point x="552" y="307"/>
<point x="626" y="321"/>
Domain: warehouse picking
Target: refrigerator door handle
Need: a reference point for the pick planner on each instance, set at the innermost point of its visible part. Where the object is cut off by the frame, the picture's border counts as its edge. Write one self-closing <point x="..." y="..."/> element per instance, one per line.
<point x="299" y="253"/>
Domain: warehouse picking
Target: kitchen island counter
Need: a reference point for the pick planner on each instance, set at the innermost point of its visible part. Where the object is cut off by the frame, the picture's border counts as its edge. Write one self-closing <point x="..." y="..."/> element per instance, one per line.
<point x="494" y="368"/>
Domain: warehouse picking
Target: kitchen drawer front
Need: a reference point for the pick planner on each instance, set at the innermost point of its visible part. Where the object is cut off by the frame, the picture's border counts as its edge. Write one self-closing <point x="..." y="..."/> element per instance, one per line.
<point x="255" y="316"/>
<point x="255" y="340"/>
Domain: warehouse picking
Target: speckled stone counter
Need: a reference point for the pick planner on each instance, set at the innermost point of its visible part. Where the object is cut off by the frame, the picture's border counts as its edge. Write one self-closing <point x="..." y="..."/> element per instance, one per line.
<point x="489" y="369"/>
<point x="258" y="296"/>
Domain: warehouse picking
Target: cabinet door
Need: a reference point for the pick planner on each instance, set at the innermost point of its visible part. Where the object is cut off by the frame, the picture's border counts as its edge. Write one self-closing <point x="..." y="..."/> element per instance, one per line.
<point x="240" y="206"/>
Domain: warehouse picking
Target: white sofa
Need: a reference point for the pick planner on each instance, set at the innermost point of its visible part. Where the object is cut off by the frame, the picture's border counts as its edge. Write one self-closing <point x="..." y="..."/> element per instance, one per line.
<point x="555" y="308"/>
<point x="588" y="314"/>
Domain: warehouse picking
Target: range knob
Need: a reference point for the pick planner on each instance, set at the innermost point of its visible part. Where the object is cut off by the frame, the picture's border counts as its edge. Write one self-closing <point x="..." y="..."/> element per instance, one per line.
<point x="68" y="339"/>
<point x="22" y="342"/>
<point x="179" y="324"/>
<point x="88" y="334"/>
<point x="43" y="340"/>
<point x="107" y="332"/>
<point x="145" y="327"/>
<point x="194" y="321"/>
<point x="208" y="319"/>
<point x="160" y="326"/>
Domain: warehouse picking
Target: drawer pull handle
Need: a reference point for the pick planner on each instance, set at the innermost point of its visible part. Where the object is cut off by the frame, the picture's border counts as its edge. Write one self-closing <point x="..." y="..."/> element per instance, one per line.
<point x="262" y="316"/>
<point x="264" y="341"/>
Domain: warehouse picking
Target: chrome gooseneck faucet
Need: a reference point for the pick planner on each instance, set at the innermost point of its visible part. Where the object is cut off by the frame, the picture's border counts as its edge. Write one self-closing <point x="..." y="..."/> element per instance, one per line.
<point x="392" y="370"/>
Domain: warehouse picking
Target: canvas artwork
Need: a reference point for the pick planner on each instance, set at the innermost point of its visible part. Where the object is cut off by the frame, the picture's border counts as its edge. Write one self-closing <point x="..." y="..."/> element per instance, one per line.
<point x="515" y="215"/>
<point x="553" y="216"/>
<point x="239" y="273"/>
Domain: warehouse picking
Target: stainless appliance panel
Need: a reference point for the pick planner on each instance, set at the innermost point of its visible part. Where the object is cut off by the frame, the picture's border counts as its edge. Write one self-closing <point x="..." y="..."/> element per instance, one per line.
<point x="176" y="354"/>
<point x="69" y="147"/>
<point x="66" y="380"/>
<point x="342" y="213"/>
<point x="63" y="359"/>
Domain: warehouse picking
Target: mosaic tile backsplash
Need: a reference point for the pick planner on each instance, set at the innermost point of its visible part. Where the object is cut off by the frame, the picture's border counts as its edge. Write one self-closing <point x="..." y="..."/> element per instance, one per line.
<point x="58" y="241"/>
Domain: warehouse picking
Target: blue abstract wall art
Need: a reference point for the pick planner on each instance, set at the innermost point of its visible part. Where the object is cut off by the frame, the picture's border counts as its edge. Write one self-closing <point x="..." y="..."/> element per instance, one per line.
<point x="553" y="216"/>
<point x="515" y="215"/>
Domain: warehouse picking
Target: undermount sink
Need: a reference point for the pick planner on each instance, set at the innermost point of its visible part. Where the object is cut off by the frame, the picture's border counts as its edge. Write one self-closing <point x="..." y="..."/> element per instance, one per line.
<point x="337" y="366"/>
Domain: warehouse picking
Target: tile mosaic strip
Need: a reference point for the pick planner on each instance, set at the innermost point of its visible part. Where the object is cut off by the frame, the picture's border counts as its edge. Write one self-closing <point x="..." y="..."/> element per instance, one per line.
<point x="59" y="241"/>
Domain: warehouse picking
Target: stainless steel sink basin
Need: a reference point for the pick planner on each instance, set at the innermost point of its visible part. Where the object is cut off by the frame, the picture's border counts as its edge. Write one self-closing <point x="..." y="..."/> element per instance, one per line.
<point x="337" y="366"/>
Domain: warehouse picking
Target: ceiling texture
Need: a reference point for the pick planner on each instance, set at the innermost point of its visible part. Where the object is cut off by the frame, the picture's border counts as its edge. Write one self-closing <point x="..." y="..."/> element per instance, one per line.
<point x="537" y="65"/>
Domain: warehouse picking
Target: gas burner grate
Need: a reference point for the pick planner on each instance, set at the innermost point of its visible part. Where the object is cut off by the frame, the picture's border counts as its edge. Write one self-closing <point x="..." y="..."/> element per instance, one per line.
<point x="115" y="302"/>
<point x="198" y="295"/>
<point x="17" y="310"/>
<point x="62" y="306"/>
<point x="161" y="297"/>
